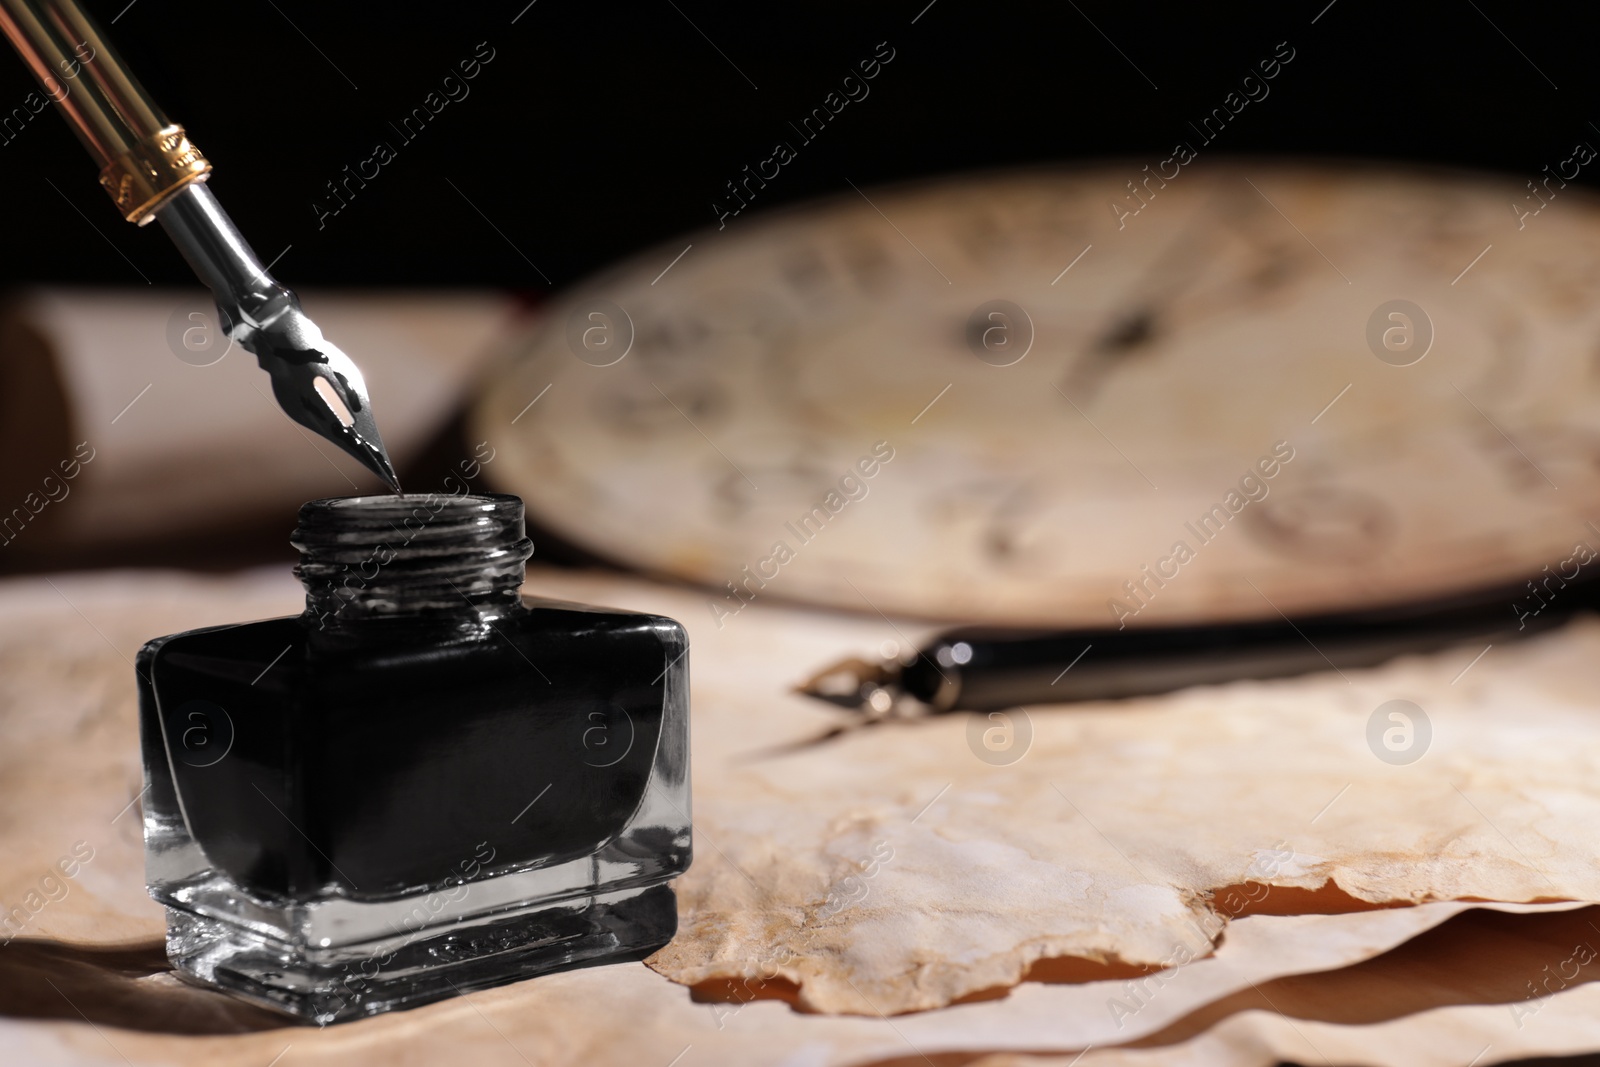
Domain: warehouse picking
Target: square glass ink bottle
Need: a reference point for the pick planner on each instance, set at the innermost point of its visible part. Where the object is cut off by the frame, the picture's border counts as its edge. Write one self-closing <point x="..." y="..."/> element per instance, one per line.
<point x="420" y="786"/>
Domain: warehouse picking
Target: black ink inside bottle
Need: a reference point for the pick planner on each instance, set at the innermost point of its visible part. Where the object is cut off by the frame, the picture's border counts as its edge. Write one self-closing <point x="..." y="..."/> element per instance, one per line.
<point x="421" y="785"/>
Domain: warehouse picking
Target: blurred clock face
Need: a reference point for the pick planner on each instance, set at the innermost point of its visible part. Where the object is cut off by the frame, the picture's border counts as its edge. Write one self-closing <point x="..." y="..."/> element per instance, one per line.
<point x="1055" y="398"/>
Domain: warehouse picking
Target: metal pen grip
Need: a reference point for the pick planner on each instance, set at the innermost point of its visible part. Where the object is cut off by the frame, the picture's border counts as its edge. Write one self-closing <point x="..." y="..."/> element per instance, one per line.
<point x="144" y="159"/>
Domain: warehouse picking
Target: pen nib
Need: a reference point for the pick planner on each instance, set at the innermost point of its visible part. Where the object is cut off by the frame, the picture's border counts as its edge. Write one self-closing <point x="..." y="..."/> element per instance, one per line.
<point x="857" y="684"/>
<point x="319" y="387"/>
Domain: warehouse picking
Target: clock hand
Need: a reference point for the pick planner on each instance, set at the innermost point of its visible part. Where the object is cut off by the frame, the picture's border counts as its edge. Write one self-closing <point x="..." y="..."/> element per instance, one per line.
<point x="1131" y="330"/>
<point x="990" y="668"/>
<point x="1176" y="269"/>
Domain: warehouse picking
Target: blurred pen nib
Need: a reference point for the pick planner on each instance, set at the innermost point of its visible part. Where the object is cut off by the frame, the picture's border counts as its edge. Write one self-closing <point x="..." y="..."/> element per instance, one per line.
<point x="856" y="684"/>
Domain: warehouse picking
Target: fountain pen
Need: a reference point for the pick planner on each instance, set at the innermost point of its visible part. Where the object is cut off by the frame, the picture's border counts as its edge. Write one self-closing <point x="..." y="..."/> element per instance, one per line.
<point x="152" y="170"/>
<point x="991" y="668"/>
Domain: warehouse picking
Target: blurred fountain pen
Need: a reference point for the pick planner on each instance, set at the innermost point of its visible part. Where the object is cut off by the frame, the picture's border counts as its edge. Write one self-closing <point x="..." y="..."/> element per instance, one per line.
<point x="990" y="668"/>
<point x="153" y="171"/>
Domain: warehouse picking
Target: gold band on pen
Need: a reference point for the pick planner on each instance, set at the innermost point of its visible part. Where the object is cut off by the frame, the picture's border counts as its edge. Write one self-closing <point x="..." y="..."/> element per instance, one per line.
<point x="151" y="170"/>
<point x="144" y="158"/>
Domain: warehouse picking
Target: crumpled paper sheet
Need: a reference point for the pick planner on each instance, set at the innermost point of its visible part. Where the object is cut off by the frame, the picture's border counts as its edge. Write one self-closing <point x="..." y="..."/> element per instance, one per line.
<point x="628" y="1015"/>
<point x="1480" y="988"/>
<point x="893" y="870"/>
<point x="69" y="774"/>
<point x="1464" y="1036"/>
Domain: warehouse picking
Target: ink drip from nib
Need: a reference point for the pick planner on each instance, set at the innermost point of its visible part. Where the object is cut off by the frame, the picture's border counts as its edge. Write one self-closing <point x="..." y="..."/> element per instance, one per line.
<point x="422" y="784"/>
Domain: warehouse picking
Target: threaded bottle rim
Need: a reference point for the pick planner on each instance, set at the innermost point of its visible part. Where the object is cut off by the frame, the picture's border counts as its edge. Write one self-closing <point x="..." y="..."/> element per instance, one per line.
<point x="411" y="554"/>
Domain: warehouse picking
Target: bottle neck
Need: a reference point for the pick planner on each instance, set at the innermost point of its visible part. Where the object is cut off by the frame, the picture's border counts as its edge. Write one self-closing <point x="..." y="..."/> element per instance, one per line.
<point x="422" y="559"/>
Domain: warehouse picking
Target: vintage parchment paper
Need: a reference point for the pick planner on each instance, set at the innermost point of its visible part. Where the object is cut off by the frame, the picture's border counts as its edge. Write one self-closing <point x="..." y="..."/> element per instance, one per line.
<point x="1099" y="854"/>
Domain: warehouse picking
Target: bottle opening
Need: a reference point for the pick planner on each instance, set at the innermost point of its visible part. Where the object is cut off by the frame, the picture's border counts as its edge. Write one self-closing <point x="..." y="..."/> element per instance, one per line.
<point x="411" y="554"/>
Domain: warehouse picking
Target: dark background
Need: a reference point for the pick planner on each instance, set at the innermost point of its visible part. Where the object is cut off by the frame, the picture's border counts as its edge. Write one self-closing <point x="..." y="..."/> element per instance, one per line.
<point x="599" y="129"/>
